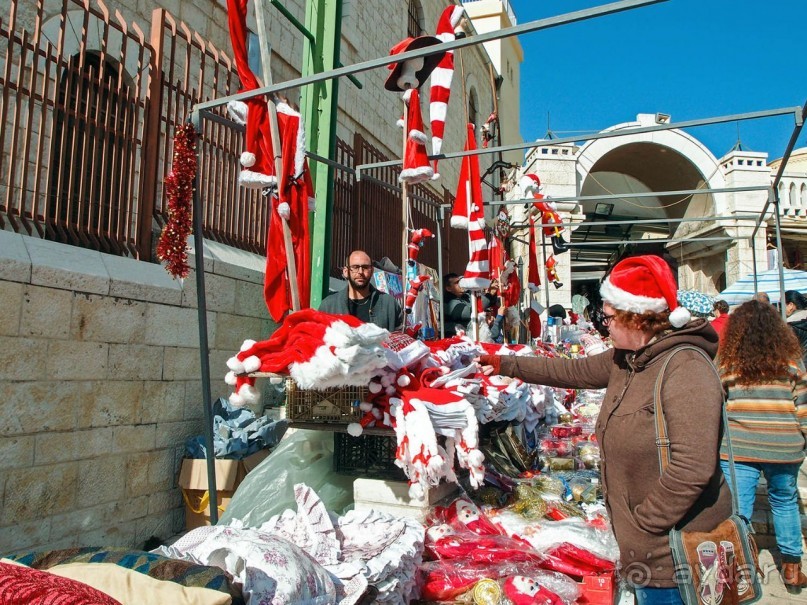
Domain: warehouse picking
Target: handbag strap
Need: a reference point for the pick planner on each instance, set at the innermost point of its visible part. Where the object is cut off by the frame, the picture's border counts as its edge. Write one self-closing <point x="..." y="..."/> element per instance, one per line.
<point x="662" y="439"/>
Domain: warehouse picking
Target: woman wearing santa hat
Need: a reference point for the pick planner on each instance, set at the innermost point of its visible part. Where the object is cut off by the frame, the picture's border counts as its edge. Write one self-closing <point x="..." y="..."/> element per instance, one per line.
<point x="641" y="312"/>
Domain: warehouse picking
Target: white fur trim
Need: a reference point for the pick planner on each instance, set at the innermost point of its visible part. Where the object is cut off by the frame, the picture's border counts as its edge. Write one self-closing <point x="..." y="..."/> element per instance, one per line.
<point x="252" y="364"/>
<point x="416" y="175"/>
<point x="229" y="378"/>
<point x="249" y="394"/>
<point x="236" y="400"/>
<point x="680" y="317"/>
<point x="459" y="222"/>
<point x="256" y="180"/>
<point x="436" y="176"/>
<point x="418" y="136"/>
<point x="235" y="365"/>
<point x="625" y="301"/>
<point x="441" y="77"/>
<point x="476" y="458"/>
<point x="446" y="37"/>
<point x="299" y="152"/>
<point x="247" y="344"/>
<point x="474" y="283"/>
<point x="238" y="111"/>
<point x="284" y="210"/>
<point x="354" y="429"/>
<point x="477" y="267"/>
<point x="400" y="123"/>
<point x="248" y="159"/>
<point x="437" y="111"/>
<point x="407" y="95"/>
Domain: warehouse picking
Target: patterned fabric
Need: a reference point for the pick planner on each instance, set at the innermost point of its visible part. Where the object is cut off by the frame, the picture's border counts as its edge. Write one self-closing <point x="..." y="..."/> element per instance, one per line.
<point x="697" y="303"/>
<point x="153" y="565"/>
<point x="768" y="422"/>
<point x="25" y="586"/>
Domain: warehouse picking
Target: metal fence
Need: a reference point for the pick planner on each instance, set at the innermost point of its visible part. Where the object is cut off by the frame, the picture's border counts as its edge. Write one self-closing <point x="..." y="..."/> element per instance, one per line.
<point x="88" y="109"/>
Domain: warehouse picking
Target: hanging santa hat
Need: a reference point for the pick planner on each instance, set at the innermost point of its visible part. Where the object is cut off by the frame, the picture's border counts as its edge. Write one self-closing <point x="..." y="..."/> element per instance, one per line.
<point x="530" y="185"/>
<point x="495" y="258"/>
<point x="412" y="73"/>
<point x="416" y="168"/>
<point x="536" y="309"/>
<point x="441" y="79"/>
<point x="642" y="284"/>
<point x="469" y="197"/>
<point x="533" y="274"/>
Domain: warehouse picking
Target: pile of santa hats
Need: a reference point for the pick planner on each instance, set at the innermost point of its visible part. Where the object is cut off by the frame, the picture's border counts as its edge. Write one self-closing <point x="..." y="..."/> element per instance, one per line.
<point x="318" y="350"/>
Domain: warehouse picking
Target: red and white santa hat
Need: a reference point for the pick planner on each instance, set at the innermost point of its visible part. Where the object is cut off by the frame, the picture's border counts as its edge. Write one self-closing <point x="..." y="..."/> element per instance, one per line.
<point x="642" y="284"/>
<point x="416" y="167"/>
<point x="530" y="185"/>
<point x="441" y="78"/>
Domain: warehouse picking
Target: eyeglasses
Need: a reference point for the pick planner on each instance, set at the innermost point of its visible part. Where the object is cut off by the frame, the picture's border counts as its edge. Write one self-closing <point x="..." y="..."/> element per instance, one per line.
<point x="359" y="268"/>
<point x="605" y="320"/>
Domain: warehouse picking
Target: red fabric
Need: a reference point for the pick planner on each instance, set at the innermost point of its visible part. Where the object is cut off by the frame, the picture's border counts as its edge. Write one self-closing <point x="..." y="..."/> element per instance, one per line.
<point x="719" y="324"/>
<point x="438" y="94"/>
<point x="416" y="167"/>
<point x="25" y="586"/>
<point x="496" y="258"/>
<point x="511" y="291"/>
<point x="477" y="273"/>
<point x="495" y="361"/>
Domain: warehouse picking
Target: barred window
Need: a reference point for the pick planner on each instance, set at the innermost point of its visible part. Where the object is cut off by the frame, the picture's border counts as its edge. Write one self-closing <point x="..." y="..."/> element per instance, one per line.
<point x="414" y="27"/>
<point x="473" y="104"/>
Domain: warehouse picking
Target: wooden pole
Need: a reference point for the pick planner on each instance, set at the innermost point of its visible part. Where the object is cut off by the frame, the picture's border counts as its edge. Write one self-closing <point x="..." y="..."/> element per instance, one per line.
<point x="266" y="64"/>
<point x="470" y="201"/>
<point x="405" y="205"/>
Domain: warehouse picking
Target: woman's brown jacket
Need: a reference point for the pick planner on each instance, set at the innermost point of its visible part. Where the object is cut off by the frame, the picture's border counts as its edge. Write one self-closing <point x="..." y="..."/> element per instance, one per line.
<point x="644" y="506"/>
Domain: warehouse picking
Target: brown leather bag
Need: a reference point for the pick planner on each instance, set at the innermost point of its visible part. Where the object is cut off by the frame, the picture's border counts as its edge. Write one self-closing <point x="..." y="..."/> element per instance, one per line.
<point x="718" y="567"/>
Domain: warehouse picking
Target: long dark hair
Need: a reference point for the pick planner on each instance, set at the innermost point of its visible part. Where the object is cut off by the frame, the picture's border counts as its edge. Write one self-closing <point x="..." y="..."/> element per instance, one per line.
<point x="757" y="345"/>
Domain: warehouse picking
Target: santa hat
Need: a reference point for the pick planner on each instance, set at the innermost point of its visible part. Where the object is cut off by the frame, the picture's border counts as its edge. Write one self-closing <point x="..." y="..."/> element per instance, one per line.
<point x="469" y="196"/>
<point x="468" y="183"/>
<point x="530" y="185"/>
<point x="416" y="168"/>
<point x="536" y="309"/>
<point x="642" y="284"/>
<point x="404" y="75"/>
<point x="442" y="76"/>
<point x="533" y="274"/>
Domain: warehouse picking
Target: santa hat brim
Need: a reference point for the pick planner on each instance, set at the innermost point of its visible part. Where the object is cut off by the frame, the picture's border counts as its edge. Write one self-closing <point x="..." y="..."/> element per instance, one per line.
<point x="473" y="283"/>
<point x="626" y="301"/>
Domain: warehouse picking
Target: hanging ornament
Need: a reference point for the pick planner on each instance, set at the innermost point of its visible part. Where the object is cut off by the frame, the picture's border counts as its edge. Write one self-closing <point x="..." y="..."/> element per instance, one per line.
<point x="551" y="271"/>
<point x="414" y="289"/>
<point x="416" y="241"/>
<point x="172" y="248"/>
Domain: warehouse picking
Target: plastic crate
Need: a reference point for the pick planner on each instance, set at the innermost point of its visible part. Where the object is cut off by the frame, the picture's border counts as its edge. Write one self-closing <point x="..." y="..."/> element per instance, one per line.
<point x="371" y="456"/>
<point x="338" y="405"/>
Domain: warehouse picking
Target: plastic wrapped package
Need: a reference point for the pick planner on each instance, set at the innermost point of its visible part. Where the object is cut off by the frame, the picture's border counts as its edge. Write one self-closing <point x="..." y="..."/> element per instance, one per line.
<point x="448" y="580"/>
<point x="544" y="536"/>
<point x="303" y="457"/>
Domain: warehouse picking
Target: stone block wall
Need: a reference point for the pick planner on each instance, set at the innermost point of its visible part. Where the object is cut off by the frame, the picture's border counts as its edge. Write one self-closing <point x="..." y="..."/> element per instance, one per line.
<point x="100" y="387"/>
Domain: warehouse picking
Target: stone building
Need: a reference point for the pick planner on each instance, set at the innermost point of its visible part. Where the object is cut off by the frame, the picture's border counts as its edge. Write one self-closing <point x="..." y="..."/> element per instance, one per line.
<point x="99" y="347"/>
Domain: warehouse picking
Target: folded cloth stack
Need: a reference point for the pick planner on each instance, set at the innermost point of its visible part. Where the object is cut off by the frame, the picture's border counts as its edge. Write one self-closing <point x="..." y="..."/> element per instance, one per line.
<point x="318" y="350"/>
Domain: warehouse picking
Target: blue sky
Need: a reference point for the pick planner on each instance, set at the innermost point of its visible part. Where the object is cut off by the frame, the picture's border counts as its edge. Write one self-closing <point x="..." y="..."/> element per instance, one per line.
<point x="688" y="58"/>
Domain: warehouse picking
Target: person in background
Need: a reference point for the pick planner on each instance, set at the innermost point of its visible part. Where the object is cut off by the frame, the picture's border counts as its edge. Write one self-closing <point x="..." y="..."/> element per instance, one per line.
<point x="796" y="312"/>
<point x="361" y="299"/>
<point x="457" y="303"/>
<point x="721" y="313"/>
<point x="762" y="372"/>
<point x="496" y="323"/>
<point x="641" y="312"/>
<point x="763" y="297"/>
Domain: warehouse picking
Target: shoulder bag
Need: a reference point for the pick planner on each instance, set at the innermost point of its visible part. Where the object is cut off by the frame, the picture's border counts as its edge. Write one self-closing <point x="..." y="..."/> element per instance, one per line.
<point x="718" y="567"/>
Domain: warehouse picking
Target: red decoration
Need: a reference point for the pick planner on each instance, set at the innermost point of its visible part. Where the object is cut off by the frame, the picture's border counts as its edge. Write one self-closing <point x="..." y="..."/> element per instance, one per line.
<point x="173" y="245"/>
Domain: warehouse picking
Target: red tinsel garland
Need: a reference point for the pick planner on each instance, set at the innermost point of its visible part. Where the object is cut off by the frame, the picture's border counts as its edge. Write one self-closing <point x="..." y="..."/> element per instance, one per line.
<point x="173" y="245"/>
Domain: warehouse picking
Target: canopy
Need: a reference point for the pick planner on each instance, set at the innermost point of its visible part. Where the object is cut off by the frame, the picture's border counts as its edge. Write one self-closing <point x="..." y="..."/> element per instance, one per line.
<point x="768" y="281"/>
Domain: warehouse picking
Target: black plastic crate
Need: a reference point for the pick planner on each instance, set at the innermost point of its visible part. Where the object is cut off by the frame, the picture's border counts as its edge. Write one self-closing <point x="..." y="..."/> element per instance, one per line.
<point x="370" y="456"/>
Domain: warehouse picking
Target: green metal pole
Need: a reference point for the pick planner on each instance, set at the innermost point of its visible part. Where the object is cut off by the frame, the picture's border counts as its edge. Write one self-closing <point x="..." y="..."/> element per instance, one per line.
<point x="320" y="105"/>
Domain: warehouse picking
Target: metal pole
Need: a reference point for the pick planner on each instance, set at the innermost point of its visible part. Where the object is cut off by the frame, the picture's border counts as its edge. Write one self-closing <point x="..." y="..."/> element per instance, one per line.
<point x="521" y="328"/>
<point x="546" y="277"/>
<point x="204" y="346"/>
<point x="524" y="28"/>
<point x="754" y="260"/>
<point x="441" y="221"/>
<point x="648" y="221"/>
<point x="779" y="251"/>
<point x="474" y="322"/>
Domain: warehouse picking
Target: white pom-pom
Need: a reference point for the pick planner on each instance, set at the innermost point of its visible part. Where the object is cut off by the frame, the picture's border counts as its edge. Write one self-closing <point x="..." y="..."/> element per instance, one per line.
<point x="404" y="380"/>
<point x="391" y="390"/>
<point x="284" y="210"/>
<point x="386" y="380"/>
<point x="476" y="458"/>
<point x="435" y="463"/>
<point x="248" y="344"/>
<point x="374" y="388"/>
<point x="235" y="365"/>
<point x="680" y="317"/>
<point x="248" y="159"/>
<point x="252" y="364"/>
<point x="400" y="123"/>
<point x="249" y="394"/>
<point x="229" y="378"/>
<point x="407" y="95"/>
<point x="354" y="429"/>
<point x="416" y="492"/>
<point x="365" y="406"/>
<point x="237" y="400"/>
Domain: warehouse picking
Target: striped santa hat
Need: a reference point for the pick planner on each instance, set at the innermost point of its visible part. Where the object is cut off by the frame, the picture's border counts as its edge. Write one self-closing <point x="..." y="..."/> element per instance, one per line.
<point x="534" y="284"/>
<point x="416" y="168"/>
<point x="469" y="198"/>
<point x="440" y="87"/>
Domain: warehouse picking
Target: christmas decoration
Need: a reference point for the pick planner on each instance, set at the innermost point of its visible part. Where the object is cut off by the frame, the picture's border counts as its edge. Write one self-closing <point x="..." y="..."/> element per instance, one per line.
<point x="416" y="241"/>
<point x="412" y="73"/>
<point x="443" y="74"/>
<point x="469" y="199"/>
<point x="172" y="248"/>
<point x="416" y="168"/>
<point x="414" y="289"/>
<point x="551" y="271"/>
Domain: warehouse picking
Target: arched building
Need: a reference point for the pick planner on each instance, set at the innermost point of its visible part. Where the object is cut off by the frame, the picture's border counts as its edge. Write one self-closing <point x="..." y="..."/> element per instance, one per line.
<point x="631" y="168"/>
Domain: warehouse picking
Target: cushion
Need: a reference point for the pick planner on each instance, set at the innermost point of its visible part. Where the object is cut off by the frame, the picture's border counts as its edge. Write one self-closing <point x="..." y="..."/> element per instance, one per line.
<point x="153" y="565"/>
<point x="25" y="586"/>
<point x="134" y="588"/>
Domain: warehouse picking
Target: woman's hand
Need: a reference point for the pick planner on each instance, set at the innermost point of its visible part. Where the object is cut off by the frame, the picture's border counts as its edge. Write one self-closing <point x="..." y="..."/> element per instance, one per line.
<point x="489" y="364"/>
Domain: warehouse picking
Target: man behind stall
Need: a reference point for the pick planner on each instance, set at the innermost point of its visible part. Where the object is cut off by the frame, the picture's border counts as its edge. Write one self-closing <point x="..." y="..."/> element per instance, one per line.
<point x="457" y="304"/>
<point x="361" y="299"/>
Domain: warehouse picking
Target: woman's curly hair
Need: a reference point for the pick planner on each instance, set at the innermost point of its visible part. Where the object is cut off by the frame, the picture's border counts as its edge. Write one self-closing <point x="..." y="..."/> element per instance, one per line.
<point x="757" y="345"/>
<point x="648" y="321"/>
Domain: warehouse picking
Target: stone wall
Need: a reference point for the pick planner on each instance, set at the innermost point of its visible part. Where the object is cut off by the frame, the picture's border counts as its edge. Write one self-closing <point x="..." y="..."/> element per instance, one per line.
<point x="100" y="386"/>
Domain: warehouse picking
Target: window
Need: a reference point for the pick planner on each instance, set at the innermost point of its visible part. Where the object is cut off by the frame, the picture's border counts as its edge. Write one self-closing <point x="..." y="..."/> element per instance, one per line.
<point x="414" y="27"/>
<point x="793" y="200"/>
<point x="804" y="195"/>
<point x="473" y="104"/>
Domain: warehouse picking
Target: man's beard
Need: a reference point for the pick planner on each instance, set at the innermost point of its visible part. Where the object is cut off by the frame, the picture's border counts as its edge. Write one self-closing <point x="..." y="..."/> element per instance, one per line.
<point x="356" y="286"/>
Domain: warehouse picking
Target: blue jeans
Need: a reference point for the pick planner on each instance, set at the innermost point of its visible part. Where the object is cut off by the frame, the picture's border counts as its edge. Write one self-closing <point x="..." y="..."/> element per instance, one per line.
<point x="658" y="596"/>
<point x="782" y="495"/>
